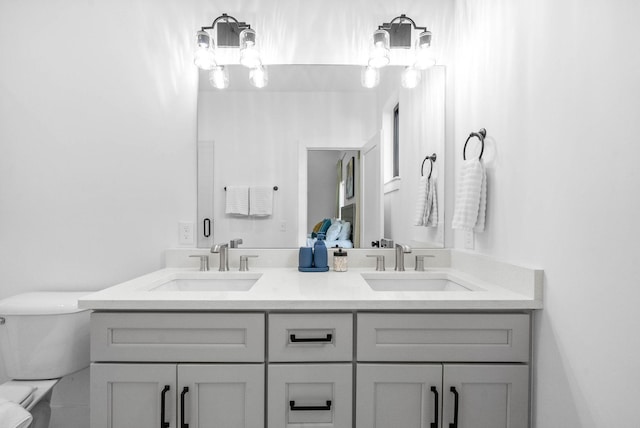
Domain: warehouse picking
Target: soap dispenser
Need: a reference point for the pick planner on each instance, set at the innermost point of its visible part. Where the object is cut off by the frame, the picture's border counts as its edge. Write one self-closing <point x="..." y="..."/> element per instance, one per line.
<point x="320" y="257"/>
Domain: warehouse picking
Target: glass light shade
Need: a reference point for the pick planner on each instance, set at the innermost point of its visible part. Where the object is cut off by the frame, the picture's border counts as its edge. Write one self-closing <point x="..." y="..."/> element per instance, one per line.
<point x="203" y="39"/>
<point x="258" y="76"/>
<point x="204" y="58"/>
<point x="379" y="55"/>
<point x="370" y="77"/>
<point x="424" y="55"/>
<point x="219" y="77"/>
<point x="249" y="55"/>
<point x="410" y="77"/>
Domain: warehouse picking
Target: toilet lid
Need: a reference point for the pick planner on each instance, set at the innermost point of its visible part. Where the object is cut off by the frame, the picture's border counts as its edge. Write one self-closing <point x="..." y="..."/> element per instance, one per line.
<point x="20" y="394"/>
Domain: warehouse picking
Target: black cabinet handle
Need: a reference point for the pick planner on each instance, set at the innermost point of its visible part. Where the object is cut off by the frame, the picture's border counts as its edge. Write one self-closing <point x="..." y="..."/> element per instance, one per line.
<point x="182" y="394"/>
<point x="206" y="226"/>
<point x="434" y="424"/>
<point x="327" y="339"/>
<point x="163" y="398"/>
<point x="293" y="407"/>
<point x="455" y="408"/>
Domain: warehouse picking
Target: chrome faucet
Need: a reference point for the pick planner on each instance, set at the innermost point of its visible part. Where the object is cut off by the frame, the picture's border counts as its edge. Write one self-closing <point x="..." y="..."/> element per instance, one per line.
<point x="401" y="250"/>
<point x="223" y="250"/>
<point x="235" y="243"/>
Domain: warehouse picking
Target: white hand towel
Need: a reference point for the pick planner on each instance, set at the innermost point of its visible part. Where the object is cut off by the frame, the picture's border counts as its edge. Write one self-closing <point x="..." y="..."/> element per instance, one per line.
<point x="13" y="415"/>
<point x="237" y="200"/>
<point x="261" y="201"/>
<point x="470" y="205"/>
<point x="431" y="214"/>
<point x="421" y="201"/>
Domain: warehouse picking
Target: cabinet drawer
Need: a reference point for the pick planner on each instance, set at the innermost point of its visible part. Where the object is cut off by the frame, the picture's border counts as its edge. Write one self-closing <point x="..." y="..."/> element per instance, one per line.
<point x="310" y="337"/>
<point x="177" y="337"/>
<point x="443" y="337"/>
<point x="303" y="395"/>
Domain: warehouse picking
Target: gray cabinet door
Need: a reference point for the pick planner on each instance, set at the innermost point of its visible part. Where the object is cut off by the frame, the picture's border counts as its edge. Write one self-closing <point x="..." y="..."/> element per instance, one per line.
<point x="221" y="395"/>
<point x="489" y="396"/>
<point x="393" y="395"/>
<point x="132" y="395"/>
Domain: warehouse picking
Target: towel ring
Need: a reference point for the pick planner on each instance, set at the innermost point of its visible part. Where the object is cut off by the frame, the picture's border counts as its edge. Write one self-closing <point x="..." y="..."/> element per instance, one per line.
<point x="432" y="159"/>
<point x="274" y="188"/>
<point x="481" y="134"/>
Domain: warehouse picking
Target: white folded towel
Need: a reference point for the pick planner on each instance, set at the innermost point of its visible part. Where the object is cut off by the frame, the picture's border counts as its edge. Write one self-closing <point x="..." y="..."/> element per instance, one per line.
<point x="261" y="201"/>
<point x="471" y="197"/>
<point x="237" y="200"/>
<point x="13" y="415"/>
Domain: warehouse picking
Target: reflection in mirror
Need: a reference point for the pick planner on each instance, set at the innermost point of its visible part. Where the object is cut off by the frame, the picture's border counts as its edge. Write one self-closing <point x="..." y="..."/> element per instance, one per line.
<point x="297" y="133"/>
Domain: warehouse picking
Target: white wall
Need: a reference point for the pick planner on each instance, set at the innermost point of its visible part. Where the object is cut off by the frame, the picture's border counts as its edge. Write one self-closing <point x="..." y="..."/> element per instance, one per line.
<point x="556" y="86"/>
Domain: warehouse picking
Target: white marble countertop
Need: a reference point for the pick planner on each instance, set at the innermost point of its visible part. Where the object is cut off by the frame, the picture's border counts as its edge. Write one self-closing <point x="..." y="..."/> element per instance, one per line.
<point x="284" y="288"/>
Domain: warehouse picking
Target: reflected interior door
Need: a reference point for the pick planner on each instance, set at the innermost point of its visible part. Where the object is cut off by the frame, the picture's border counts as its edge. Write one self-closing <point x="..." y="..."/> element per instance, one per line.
<point x="372" y="212"/>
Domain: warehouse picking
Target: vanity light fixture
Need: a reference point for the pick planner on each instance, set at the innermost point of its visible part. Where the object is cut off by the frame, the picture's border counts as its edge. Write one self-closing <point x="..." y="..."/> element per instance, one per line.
<point x="230" y="33"/>
<point x="397" y="34"/>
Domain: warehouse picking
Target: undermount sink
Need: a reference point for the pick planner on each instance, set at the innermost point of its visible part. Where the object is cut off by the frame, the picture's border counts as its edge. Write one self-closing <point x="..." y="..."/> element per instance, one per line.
<point x="210" y="281"/>
<point x="413" y="281"/>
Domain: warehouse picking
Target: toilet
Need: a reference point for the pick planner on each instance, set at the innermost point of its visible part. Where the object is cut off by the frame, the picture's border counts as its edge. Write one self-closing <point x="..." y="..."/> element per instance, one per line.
<point x="43" y="337"/>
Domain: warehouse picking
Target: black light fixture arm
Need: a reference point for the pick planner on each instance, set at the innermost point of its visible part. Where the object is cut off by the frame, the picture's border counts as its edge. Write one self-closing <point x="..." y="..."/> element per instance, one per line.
<point x="227" y="18"/>
<point x="400" y="19"/>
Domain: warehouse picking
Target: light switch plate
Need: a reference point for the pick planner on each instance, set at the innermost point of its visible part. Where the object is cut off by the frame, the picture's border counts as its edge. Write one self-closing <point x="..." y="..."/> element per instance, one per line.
<point x="185" y="233"/>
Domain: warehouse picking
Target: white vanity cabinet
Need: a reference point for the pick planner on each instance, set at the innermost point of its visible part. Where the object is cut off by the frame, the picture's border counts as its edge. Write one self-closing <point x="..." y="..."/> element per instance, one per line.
<point x="392" y="390"/>
<point x="307" y="369"/>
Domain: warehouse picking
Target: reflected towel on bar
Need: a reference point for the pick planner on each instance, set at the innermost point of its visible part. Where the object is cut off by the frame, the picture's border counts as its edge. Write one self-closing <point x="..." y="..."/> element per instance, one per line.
<point x="261" y="201"/>
<point x="471" y="197"/>
<point x="426" y="203"/>
<point x="13" y="415"/>
<point x="430" y="218"/>
<point x="421" y="201"/>
<point x="237" y="200"/>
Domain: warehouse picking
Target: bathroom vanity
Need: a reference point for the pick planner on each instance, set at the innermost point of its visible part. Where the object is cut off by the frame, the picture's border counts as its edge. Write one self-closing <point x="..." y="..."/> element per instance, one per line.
<point x="274" y="347"/>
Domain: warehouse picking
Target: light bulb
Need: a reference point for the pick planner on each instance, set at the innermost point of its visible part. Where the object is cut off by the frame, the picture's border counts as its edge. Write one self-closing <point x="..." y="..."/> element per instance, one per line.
<point x="249" y="55"/>
<point x="370" y="77"/>
<point x="258" y="76"/>
<point x="204" y="58"/>
<point x="219" y="77"/>
<point x="410" y="77"/>
<point x="379" y="55"/>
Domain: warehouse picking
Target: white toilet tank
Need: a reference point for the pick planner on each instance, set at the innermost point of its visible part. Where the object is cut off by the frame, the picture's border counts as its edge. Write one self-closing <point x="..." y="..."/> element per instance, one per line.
<point x="44" y="335"/>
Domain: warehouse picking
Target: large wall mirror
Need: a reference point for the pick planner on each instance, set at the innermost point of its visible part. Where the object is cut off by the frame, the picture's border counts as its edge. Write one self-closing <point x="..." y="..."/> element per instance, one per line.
<point x="326" y="144"/>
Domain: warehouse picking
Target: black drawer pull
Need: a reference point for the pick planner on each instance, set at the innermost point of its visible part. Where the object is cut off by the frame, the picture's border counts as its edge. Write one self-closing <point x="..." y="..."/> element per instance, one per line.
<point x="183" y="424"/>
<point x="293" y="407"/>
<point x="163" y="398"/>
<point x="434" y="424"/>
<point x="327" y="339"/>
<point x="207" y="227"/>
<point x="455" y="408"/>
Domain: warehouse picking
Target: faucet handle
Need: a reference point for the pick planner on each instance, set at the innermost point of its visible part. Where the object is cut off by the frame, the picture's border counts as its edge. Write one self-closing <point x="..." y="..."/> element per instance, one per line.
<point x="244" y="262"/>
<point x="204" y="261"/>
<point x="235" y="243"/>
<point x="420" y="261"/>
<point x="379" y="261"/>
